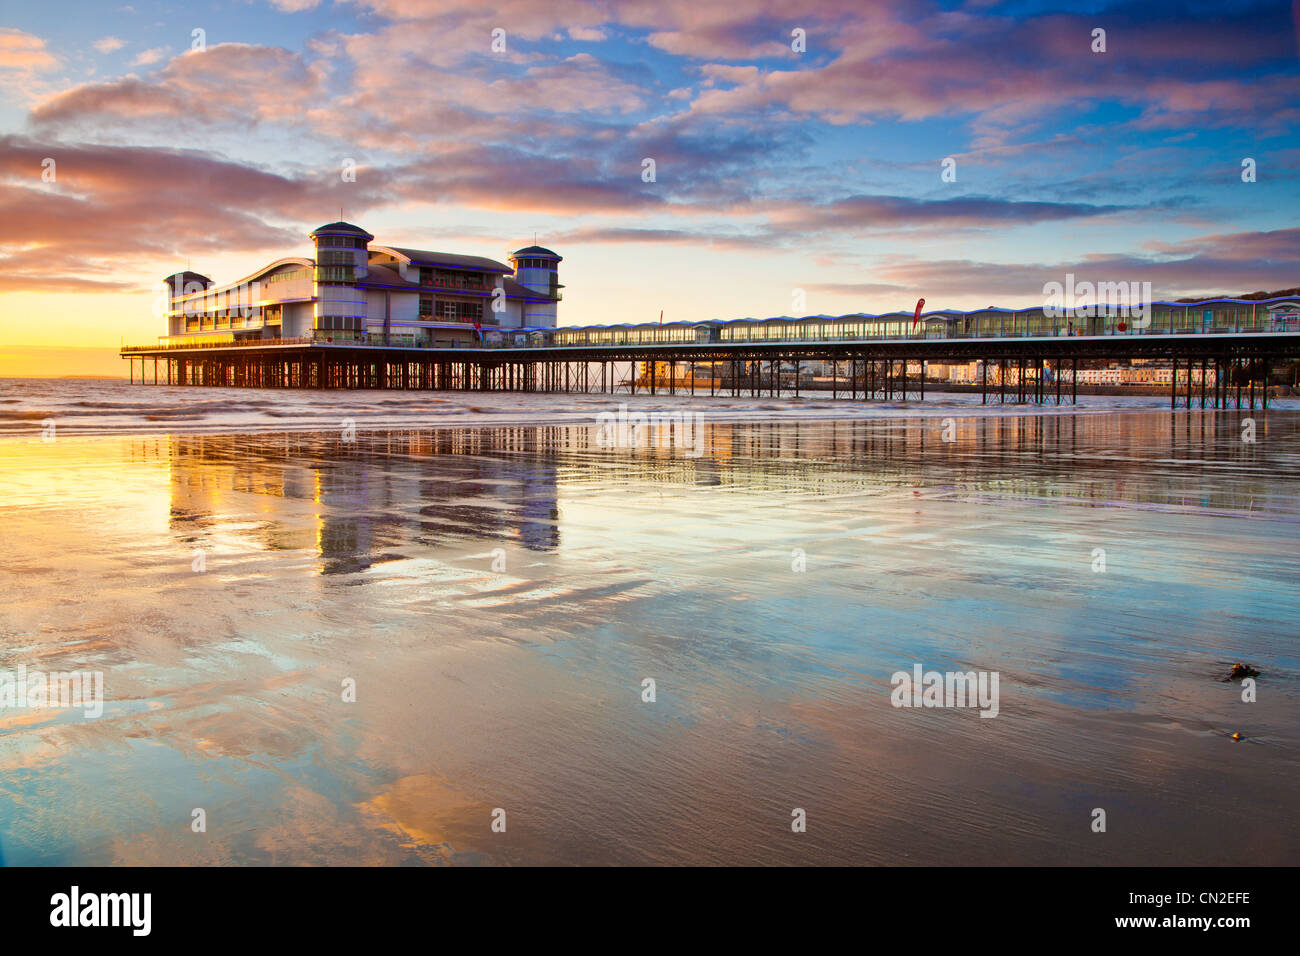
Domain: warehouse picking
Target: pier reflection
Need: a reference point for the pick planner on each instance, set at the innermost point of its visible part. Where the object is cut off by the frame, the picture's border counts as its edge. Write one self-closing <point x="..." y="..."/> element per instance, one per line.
<point x="388" y="494"/>
<point x="372" y="496"/>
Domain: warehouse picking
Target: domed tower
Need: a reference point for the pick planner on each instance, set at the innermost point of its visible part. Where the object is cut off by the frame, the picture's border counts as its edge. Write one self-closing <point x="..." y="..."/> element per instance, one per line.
<point x="179" y="285"/>
<point x="342" y="257"/>
<point x="537" y="269"/>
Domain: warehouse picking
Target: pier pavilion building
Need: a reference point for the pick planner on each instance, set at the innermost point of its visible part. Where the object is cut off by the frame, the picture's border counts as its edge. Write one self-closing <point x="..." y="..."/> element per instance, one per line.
<point x="355" y="291"/>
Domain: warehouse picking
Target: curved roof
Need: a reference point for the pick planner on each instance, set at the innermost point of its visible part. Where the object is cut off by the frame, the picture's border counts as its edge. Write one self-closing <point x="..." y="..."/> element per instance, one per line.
<point x="536" y="251"/>
<point x="426" y="257"/>
<point x="185" y="278"/>
<point x="339" y="228"/>
<point x="288" y="260"/>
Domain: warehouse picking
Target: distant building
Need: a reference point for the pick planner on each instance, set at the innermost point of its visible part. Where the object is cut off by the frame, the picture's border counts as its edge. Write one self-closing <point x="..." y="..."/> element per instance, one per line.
<point x="356" y="291"/>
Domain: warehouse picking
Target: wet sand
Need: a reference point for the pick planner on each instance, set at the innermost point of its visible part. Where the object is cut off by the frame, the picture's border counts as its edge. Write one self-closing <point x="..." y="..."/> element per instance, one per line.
<point x="512" y="678"/>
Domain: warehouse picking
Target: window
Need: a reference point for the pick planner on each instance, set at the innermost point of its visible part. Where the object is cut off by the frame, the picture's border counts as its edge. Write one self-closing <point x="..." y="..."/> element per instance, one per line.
<point x="334" y="323"/>
<point x="453" y="311"/>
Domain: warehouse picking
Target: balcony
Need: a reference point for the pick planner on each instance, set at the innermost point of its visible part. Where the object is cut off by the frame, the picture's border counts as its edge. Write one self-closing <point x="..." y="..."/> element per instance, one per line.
<point x="486" y="323"/>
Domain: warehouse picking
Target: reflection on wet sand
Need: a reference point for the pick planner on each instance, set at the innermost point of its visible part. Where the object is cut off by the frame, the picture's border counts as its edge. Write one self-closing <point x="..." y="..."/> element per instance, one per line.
<point x="511" y="678"/>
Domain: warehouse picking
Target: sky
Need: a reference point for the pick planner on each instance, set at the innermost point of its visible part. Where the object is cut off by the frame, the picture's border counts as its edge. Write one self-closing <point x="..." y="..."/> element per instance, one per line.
<point x="808" y="158"/>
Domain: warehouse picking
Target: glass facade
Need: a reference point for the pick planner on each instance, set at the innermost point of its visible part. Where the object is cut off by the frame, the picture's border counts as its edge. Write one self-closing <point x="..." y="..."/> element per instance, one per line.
<point x="1162" y="319"/>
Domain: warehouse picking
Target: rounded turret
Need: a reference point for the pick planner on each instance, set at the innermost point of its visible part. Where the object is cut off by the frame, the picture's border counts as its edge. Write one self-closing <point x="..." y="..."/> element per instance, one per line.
<point x="537" y="269"/>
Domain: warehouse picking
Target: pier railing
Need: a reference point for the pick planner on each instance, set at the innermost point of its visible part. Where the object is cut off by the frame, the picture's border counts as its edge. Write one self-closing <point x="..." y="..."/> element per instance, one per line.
<point x="579" y="337"/>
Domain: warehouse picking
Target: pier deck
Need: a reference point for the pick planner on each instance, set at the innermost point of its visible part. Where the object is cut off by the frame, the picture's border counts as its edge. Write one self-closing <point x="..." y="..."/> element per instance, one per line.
<point x="1226" y="367"/>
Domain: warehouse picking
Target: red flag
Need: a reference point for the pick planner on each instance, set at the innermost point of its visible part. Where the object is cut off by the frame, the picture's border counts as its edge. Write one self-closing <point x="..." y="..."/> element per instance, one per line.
<point x="920" y="304"/>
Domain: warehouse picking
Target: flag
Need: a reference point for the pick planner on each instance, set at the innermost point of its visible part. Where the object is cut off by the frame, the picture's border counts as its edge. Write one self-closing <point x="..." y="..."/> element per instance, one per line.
<point x="920" y="304"/>
<point x="661" y="316"/>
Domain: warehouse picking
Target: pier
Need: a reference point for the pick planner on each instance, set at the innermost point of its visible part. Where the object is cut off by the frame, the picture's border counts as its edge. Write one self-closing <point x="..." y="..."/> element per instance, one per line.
<point x="1210" y="369"/>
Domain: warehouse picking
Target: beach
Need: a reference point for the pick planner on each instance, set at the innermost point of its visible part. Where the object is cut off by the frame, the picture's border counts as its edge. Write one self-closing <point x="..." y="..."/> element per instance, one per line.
<point x="492" y="585"/>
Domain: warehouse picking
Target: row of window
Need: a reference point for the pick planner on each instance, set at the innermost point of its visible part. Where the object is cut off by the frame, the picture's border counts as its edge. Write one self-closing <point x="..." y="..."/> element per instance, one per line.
<point x="293" y="276"/>
<point x="449" y="279"/>
<point x="1006" y="324"/>
<point x="535" y="263"/>
<point x="340" y="242"/>
<point x="330" y="323"/>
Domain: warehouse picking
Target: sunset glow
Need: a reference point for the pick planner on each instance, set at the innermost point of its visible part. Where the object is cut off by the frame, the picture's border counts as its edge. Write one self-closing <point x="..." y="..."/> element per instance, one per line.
<point x="143" y="140"/>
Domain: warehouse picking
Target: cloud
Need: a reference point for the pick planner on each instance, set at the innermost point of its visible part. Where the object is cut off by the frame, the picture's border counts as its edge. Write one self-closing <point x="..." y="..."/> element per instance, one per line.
<point x="226" y="83"/>
<point x="866" y="213"/>
<point x="1009" y="73"/>
<point x="1213" y="264"/>
<point x="23" y="53"/>
<point x="109" y="44"/>
<point x="732" y="117"/>
<point x="150" y="56"/>
<point x="124" y="207"/>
